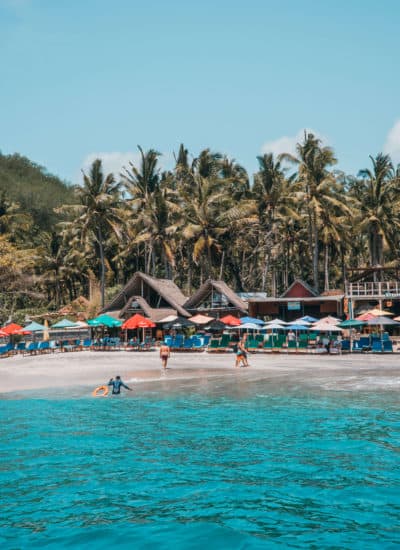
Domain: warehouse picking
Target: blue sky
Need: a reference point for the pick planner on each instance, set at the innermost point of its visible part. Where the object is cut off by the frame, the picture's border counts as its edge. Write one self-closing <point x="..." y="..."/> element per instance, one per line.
<point x="86" y="77"/>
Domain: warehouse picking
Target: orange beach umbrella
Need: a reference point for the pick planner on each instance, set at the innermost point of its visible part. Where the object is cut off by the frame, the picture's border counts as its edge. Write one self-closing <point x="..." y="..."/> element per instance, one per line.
<point x="137" y="321"/>
<point x="230" y="320"/>
<point x="13" y="328"/>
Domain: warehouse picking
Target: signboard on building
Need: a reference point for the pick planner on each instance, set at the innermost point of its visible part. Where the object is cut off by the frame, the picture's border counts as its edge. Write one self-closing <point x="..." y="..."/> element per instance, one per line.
<point x="294" y="306"/>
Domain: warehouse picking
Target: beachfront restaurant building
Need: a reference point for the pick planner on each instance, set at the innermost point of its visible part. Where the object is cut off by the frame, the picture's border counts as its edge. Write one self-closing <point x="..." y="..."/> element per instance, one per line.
<point x="298" y="300"/>
<point x="216" y="299"/>
<point x="372" y="287"/>
<point x="159" y="298"/>
<point x="151" y="297"/>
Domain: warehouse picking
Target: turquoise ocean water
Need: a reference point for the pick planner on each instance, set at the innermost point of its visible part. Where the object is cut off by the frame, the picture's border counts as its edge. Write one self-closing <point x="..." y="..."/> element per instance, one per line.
<point x="223" y="466"/>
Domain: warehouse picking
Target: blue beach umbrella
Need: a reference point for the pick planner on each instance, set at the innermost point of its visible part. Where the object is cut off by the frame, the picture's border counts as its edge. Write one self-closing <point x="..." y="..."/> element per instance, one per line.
<point x="295" y="326"/>
<point x="308" y="319"/>
<point x="251" y="320"/>
<point x="64" y="323"/>
<point x="35" y="327"/>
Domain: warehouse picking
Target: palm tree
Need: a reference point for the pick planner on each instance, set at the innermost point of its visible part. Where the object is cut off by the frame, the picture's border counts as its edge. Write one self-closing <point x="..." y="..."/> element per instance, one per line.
<point x="378" y="194"/>
<point x="153" y="206"/>
<point x="274" y="201"/>
<point x="97" y="213"/>
<point x="315" y="183"/>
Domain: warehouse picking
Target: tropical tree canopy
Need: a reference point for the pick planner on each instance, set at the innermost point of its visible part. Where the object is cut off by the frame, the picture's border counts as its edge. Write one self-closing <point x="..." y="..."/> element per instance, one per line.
<point x="296" y="217"/>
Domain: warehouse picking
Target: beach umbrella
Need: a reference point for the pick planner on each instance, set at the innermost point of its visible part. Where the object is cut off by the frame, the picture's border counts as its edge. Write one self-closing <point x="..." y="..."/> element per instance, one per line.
<point x="308" y="319"/>
<point x="3" y="334"/>
<point x="296" y="326"/>
<point x="382" y="321"/>
<point x="231" y="320"/>
<point x="249" y="326"/>
<point x="364" y="316"/>
<point x="276" y="321"/>
<point x="351" y="323"/>
<point x="201" y="319"/>
<point x="167" y="319"/>
<point x="328" y="328"/>
<point x="137" y="321"/>
<point x="302" y="322"/>
<point x="252" y="320"/>
<point x="379" y="312"/>
<point x="329" y="320"/>
<point x="35" y="327"/>
<point x="273" y="326"/>
<point x="216" y="324"/>
<point x="64" y="323"/>
<point x="14" y="329"/>
<point x="179" y="322"/>
<point x="105" y="321"/>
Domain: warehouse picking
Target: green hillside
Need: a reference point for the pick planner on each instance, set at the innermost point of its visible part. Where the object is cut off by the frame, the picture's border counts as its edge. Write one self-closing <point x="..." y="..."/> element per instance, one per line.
<point x="36" y="191"/>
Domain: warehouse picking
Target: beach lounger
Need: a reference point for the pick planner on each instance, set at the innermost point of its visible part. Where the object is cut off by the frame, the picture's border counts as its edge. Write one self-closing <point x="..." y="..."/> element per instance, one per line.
<point x="87" y="343"/>
<point x="20" y="347"/>
<point x="252" y="344"/>
<point x="292" y="346"/>
<point x="303" y="346"/>
<point x="377" y="346"/>
<point x="345" y="345"/>
<point x="387" y="346"/>
<point x="43" y="347"/>
<point x="268" y="344"/>
<point x="31" y="348"/>
<point x="213" y="346"/>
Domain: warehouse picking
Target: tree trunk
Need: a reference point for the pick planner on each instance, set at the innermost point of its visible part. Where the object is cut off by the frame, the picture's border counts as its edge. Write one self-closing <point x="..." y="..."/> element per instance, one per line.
<point x="315" y="256"/>
<point x="264" y="273"/>
<point x="102" y="267"/>
<point x="221" y="269"/>
<point x="326" y="267"/>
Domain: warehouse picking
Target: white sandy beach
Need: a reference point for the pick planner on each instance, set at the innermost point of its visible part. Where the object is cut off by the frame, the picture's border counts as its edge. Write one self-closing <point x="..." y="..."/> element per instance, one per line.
<point x="90" y="369"/>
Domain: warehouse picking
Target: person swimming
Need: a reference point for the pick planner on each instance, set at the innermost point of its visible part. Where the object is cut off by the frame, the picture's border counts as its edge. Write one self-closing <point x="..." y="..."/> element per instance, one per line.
<point x="117" y="384"/>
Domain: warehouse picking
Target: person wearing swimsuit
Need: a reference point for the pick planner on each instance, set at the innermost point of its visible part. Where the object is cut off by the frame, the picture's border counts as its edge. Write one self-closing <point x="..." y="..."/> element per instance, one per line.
<point x="164" y="355"/>
<point x="117" y="384"/>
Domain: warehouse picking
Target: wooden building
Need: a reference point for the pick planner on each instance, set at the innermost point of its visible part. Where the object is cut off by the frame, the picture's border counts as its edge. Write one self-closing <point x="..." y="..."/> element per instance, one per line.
<point x="158" y="298"/>
<point x="216" y="298"/>
<point x="298" y="300"/>
<point x="151" y="297"/>
<point x="369" y="287"/>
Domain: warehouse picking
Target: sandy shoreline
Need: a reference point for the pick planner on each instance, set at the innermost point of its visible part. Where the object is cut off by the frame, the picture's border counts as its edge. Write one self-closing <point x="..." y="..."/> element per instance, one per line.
<point x="95" y="368"/>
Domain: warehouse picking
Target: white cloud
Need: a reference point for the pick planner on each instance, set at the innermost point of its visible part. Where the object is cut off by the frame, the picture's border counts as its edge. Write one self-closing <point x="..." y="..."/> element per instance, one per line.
<point x="287" y="144"/>
<point x="392" y="143"/>
<point x="112" y="161"/>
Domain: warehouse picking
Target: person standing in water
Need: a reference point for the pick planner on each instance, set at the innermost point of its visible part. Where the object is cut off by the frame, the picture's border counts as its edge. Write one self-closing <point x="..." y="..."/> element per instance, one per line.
<point x="117" y="384"/>
<point x="241" y="354"/>
<point x="165" y="354"/>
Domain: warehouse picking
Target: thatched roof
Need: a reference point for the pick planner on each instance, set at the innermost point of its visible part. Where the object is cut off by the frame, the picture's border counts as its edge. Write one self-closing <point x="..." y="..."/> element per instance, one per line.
<point x="152" y="313"/>
<point x="165" y="288"/>
<point x="222" y="288"/>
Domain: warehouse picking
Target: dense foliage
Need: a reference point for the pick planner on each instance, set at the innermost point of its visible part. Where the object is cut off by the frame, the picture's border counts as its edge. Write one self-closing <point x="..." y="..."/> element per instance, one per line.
<point x="296" y="217"/>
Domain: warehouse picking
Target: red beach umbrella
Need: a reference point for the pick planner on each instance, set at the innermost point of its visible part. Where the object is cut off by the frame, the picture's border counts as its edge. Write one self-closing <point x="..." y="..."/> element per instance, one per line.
<point x="365" y="316"/>
<point x="137" y="321"/>
<point x="13" y="328"/>
<point x="230" y="320"/>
